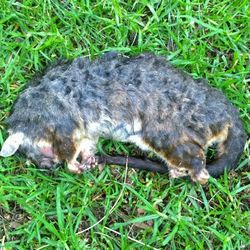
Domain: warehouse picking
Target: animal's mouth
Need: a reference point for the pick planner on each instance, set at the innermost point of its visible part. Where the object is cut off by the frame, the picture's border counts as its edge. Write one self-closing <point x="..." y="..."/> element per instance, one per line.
<point x="48" y="163"/>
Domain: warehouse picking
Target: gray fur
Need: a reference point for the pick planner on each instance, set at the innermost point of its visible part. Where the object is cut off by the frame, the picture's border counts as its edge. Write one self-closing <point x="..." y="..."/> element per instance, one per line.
<point x="177" y="115"/>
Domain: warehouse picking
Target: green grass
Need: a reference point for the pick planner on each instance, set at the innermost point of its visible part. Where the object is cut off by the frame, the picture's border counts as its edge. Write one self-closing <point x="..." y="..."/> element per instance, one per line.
<point x="40" y="210"/>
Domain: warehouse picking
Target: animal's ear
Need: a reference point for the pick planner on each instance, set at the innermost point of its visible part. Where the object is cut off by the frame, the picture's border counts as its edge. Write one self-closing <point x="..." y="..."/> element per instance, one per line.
<point x="11" y="144"/>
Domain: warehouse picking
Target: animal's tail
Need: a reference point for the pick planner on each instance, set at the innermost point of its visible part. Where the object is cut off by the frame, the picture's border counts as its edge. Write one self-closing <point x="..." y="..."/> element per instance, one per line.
<point x="133" y="162"/>
<point x="233" y="148"/>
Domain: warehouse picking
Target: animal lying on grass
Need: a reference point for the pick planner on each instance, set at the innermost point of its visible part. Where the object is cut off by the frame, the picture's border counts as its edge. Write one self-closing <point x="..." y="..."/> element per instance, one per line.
<point x="142" y="100"/>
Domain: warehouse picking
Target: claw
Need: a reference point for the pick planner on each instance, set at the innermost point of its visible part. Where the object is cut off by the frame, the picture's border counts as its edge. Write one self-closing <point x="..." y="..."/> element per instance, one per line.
<point x="88" y="163"/>
<point x="201" y="177"/>
<point x="74" y="167"/>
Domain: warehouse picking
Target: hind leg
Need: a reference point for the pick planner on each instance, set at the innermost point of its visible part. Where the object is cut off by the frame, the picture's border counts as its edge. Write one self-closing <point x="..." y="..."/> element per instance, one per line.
<point x="195" y="169"/>
<point x="198" y="172"/>
<point x="186" y="159"/>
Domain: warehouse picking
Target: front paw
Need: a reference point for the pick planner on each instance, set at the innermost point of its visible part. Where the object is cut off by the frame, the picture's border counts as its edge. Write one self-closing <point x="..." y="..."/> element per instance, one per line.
<point x="86" y="164"/>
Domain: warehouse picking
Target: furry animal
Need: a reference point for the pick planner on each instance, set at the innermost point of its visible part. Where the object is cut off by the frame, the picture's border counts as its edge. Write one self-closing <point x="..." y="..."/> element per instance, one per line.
<point x="143" y="100"/>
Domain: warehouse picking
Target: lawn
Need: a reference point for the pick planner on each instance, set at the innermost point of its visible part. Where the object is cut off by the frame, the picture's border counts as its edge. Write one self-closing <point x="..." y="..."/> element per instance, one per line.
<point x="116" y="207"/>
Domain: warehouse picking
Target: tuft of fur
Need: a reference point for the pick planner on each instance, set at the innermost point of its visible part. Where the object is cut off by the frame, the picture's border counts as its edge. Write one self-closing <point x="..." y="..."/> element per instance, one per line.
<point x="143" y="100"/>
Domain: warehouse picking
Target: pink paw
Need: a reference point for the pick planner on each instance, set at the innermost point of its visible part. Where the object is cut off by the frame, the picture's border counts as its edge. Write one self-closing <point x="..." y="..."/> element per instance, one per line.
<point x="86" y="164"/>
<point x="201" y="177"/>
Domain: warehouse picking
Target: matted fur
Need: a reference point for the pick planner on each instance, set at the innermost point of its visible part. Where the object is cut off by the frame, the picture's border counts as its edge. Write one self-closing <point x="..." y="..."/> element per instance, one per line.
<point x="143" y="100"/>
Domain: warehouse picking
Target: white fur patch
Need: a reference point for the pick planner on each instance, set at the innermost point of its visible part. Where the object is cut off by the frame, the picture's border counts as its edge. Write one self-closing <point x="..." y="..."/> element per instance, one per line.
<point x="137" y="124"/>
<point x="137" y="140"/>
<point x="12" y="144"/>
<point x="43" y="143"/>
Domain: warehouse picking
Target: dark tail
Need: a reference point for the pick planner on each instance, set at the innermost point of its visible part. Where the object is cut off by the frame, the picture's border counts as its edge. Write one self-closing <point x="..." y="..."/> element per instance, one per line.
<point x="234" y="146"/>
<point x="133" y="162"/>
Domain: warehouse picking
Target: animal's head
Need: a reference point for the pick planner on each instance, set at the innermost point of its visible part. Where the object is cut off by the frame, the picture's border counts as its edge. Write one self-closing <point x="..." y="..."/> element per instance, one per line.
<point x="42" y="126"/>
<point x="40" y="151"/>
